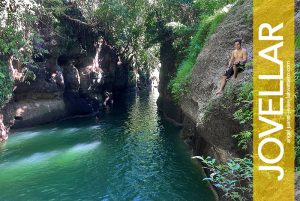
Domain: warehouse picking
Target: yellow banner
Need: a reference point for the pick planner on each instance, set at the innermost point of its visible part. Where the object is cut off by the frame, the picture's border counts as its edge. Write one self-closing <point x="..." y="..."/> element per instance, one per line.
<point x="273" y="104"/>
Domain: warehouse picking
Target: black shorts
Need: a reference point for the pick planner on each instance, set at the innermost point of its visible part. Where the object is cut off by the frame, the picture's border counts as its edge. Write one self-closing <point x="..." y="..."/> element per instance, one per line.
<point x="229" y="71"/>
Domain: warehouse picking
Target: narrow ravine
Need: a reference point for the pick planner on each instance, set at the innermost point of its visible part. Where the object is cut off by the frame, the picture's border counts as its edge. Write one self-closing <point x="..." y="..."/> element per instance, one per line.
<point x="130" y="153"/>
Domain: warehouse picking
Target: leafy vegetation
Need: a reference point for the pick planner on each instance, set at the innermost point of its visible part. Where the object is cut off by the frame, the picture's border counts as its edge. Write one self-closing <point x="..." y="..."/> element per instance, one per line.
<point x="297" y="151"/>
<point x="244" y="114"/>
<point x="224" y="176"/>
<point x="11" y="41"/>
<point x="16" y="34"/>
<point x="297" y="41"/>
<point x="234" y="177"/>
<point x="135" y="29"/>
<point x="209" y="19"/>
<point x="244" y="137"/>
<point x="6" y="84"/>
<point x="207" y="26"/>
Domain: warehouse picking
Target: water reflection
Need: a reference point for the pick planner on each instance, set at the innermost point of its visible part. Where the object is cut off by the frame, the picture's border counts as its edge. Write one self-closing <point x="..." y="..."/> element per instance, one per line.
<point x="131" y="153"/>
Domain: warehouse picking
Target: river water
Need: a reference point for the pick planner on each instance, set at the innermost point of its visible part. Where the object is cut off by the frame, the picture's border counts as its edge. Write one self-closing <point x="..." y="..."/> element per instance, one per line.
<point x="130" y="153"/>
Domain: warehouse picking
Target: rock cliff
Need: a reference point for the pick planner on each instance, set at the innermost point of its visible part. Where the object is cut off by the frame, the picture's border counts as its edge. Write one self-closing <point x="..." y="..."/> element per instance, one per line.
<point x="206" y="117"/>
<point x="59" y="84"/>
<point x="208" y="121"/>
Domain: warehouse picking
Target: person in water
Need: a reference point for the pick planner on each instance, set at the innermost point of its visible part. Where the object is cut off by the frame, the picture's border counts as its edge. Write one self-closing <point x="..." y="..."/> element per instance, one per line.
<point x="119" y="61"/>
<point x="237" y="62"/>
<point x="108" y="98"/>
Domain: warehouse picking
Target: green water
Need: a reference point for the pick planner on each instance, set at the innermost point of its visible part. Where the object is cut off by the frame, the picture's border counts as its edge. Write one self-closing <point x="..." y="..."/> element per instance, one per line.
<point x="131" y="153"/>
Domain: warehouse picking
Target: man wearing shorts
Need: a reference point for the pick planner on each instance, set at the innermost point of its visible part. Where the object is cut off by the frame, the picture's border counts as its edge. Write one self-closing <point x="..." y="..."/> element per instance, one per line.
<point x="237" y="62"/>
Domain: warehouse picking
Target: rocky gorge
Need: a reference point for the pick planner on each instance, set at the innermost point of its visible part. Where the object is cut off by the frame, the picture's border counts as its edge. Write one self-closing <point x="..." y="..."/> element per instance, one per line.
<point x="58" y="86"/>
<point x="71" y="79"/>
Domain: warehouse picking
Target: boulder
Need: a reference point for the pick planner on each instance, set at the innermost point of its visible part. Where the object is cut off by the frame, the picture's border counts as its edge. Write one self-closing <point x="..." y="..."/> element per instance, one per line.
<point x="3" y="130"/>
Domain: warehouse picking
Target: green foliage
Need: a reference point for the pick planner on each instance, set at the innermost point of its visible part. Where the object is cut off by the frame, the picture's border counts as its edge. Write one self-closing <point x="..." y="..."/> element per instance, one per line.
<point x="17" y="32"/>
<point x="244" y="101"/>
<point x="55" y="7"/>
<point x="11" y="41"/>
<point x="243" y="139"/>
<point x="29" y="77"/>
<point x="182" y="37"/>
<point x="123" y="20"/>
<point x="206" y="28"/>
<point x="134" y="26"/>
<point x="210" y="16"/>
<point x="207" y="7"/>
<point x="6" y="84"/>
<point x="234" y="177"/>
<point x="124" y="24"/>
<point x="245" y="113"/>
<point x="176" y="15"/>
<point x="297" y="41"/>
<point x="297" y="74"/>
<point x="18" y="23"/>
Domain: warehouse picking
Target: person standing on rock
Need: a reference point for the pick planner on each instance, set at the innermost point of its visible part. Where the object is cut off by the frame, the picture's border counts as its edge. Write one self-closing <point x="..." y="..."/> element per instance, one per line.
<point x="237" y="62"/>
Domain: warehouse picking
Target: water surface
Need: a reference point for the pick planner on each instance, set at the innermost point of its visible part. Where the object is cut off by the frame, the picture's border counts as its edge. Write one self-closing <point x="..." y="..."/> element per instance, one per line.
<point x="130" y="153"/>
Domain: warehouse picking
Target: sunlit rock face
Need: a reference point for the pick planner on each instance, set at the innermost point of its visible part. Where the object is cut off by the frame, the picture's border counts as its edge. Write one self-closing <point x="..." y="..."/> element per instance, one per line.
<point x="58" y="85"/>
<point x="34" y="112"/>
<point x="69" y="75"/>
<point x="37" y="94"/>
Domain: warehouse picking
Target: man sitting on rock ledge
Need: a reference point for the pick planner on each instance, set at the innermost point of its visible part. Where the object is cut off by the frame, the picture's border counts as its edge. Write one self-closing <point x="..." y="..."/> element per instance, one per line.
<point x="237" y="62"/>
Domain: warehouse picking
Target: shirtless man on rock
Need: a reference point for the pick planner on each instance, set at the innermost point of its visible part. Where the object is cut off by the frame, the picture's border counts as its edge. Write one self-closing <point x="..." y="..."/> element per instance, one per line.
<point x="237" y="62"/>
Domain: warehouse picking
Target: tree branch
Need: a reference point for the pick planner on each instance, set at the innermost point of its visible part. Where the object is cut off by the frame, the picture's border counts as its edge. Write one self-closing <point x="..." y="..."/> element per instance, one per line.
<point x="77" y="21"/>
